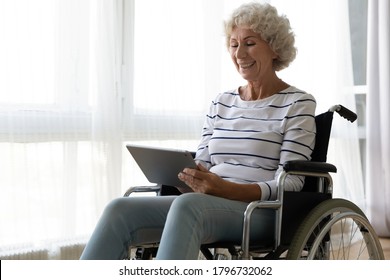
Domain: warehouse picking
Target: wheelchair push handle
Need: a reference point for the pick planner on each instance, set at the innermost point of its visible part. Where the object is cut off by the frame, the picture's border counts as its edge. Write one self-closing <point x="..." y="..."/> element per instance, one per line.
<point x="344" y="112"/>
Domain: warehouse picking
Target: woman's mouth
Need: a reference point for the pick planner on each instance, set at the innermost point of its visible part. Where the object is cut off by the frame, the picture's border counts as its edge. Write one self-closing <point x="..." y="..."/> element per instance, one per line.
<point x="246" y="65"/>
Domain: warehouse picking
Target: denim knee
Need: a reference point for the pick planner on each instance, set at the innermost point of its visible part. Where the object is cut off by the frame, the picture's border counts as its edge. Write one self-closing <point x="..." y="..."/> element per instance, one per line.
<point x="117" y="211"/>
<point x="189" y="204"/>
<point x="116" y="206"/>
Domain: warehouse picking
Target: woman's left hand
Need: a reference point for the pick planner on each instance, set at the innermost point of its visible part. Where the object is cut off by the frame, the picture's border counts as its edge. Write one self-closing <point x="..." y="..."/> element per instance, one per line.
<point x="201" y="180"/>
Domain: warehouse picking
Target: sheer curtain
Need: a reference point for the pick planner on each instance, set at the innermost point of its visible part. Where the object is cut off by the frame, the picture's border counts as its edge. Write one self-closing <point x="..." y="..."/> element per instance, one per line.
<point x="378" y="127"/>
<point x="323" y="67"/>
<point x="60" y="128"/>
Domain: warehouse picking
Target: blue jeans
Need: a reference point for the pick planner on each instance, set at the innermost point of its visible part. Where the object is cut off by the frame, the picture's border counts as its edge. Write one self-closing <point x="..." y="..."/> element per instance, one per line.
<point x="180" y="223"/>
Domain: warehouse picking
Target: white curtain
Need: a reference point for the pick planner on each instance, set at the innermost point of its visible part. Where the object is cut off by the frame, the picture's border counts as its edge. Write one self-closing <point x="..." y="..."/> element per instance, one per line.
<point x="60" y="120"/>
<point x="378" y="116"/>
<point x="323" y="67"/>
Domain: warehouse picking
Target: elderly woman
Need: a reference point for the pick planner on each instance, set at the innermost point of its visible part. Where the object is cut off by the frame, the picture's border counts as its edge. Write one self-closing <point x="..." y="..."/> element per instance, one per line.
<point x="248" y="134"/>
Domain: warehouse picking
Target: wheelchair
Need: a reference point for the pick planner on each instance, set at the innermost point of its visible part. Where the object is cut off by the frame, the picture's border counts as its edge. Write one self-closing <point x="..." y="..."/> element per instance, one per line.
<point x="310" y="224"/>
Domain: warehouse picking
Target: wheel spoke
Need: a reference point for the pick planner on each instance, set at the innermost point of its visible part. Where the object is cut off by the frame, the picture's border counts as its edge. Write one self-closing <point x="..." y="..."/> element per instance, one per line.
<point x="336" y="229"/>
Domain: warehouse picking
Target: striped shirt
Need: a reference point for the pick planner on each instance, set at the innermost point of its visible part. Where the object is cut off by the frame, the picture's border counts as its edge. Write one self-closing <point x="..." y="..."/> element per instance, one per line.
<point x="248" y="141"/>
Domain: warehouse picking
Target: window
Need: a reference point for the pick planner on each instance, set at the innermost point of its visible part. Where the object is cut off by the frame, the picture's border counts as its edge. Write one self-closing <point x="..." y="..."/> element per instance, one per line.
<point x="59" y="131"/>
<point x="358" y="25"/>
<point x="180" y="64"/>
<point x="46" y="69"/>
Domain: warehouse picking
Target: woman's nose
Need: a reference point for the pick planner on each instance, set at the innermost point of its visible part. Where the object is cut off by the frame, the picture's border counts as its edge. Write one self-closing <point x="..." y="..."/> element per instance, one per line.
<point x="241" y="52"/>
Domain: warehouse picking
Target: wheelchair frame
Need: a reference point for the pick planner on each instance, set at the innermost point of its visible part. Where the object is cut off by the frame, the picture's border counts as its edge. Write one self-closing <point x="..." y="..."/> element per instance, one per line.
<point x="312" y="238"/>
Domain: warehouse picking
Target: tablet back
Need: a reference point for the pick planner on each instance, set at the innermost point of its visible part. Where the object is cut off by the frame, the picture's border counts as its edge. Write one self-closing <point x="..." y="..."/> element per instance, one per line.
<point x="161" y="166"/>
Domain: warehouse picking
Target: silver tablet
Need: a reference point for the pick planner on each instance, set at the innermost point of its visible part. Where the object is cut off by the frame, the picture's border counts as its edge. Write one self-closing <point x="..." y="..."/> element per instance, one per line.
<point x="161" y="166"/>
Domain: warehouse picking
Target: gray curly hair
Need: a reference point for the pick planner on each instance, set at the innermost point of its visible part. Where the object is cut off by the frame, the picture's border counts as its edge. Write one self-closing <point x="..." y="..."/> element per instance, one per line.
<point x="273" y="28"/>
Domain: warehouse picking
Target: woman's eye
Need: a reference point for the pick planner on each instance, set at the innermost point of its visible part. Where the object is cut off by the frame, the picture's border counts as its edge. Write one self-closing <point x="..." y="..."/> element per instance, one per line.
<point x="248" y="44"/>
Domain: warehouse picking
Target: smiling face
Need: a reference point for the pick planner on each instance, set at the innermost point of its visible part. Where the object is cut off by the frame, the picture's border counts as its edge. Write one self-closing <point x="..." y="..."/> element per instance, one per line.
<point x="251" y="55"/>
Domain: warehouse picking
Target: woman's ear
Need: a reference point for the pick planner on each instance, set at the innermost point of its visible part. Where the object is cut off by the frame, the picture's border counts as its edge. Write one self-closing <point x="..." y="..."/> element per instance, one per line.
<point x="275" y="55"/>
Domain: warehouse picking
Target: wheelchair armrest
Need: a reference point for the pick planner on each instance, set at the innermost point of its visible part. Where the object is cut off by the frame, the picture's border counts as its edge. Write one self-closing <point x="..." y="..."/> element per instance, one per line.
<point x="309" y="166"/>
<point x="142" y="189"/>
<point x="300" y="167"/>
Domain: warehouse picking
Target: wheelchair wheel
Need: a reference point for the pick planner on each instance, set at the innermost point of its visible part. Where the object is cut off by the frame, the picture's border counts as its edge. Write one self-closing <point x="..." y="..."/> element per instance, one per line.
<point x="335" y="230"/>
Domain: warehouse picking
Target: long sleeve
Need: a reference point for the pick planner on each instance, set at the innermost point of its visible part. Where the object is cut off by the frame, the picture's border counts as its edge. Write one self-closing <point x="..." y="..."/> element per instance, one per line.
<point x="248" y="141"/>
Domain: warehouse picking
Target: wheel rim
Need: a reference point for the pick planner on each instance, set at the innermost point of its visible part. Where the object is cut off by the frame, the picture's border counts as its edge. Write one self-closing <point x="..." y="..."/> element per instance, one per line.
<point x="315" y="237"/>
<point x="353" y="240"/>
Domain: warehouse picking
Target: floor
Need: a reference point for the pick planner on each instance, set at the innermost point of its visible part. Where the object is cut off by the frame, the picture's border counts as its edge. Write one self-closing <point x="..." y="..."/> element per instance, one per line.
<point x="385" y="242"/>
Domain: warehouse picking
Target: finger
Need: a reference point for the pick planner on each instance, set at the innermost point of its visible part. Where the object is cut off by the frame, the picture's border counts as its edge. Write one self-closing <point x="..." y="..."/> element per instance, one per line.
<point x="190" y="172"/>
<point x="183" y="177"/>
<point x="197" y="173"/>
<point x="186" y="178"/>
<point x="202" y="168"/>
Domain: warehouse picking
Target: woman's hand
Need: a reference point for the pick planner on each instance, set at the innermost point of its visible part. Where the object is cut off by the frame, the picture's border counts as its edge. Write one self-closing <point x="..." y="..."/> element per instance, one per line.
<point x="202" y="181"/>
